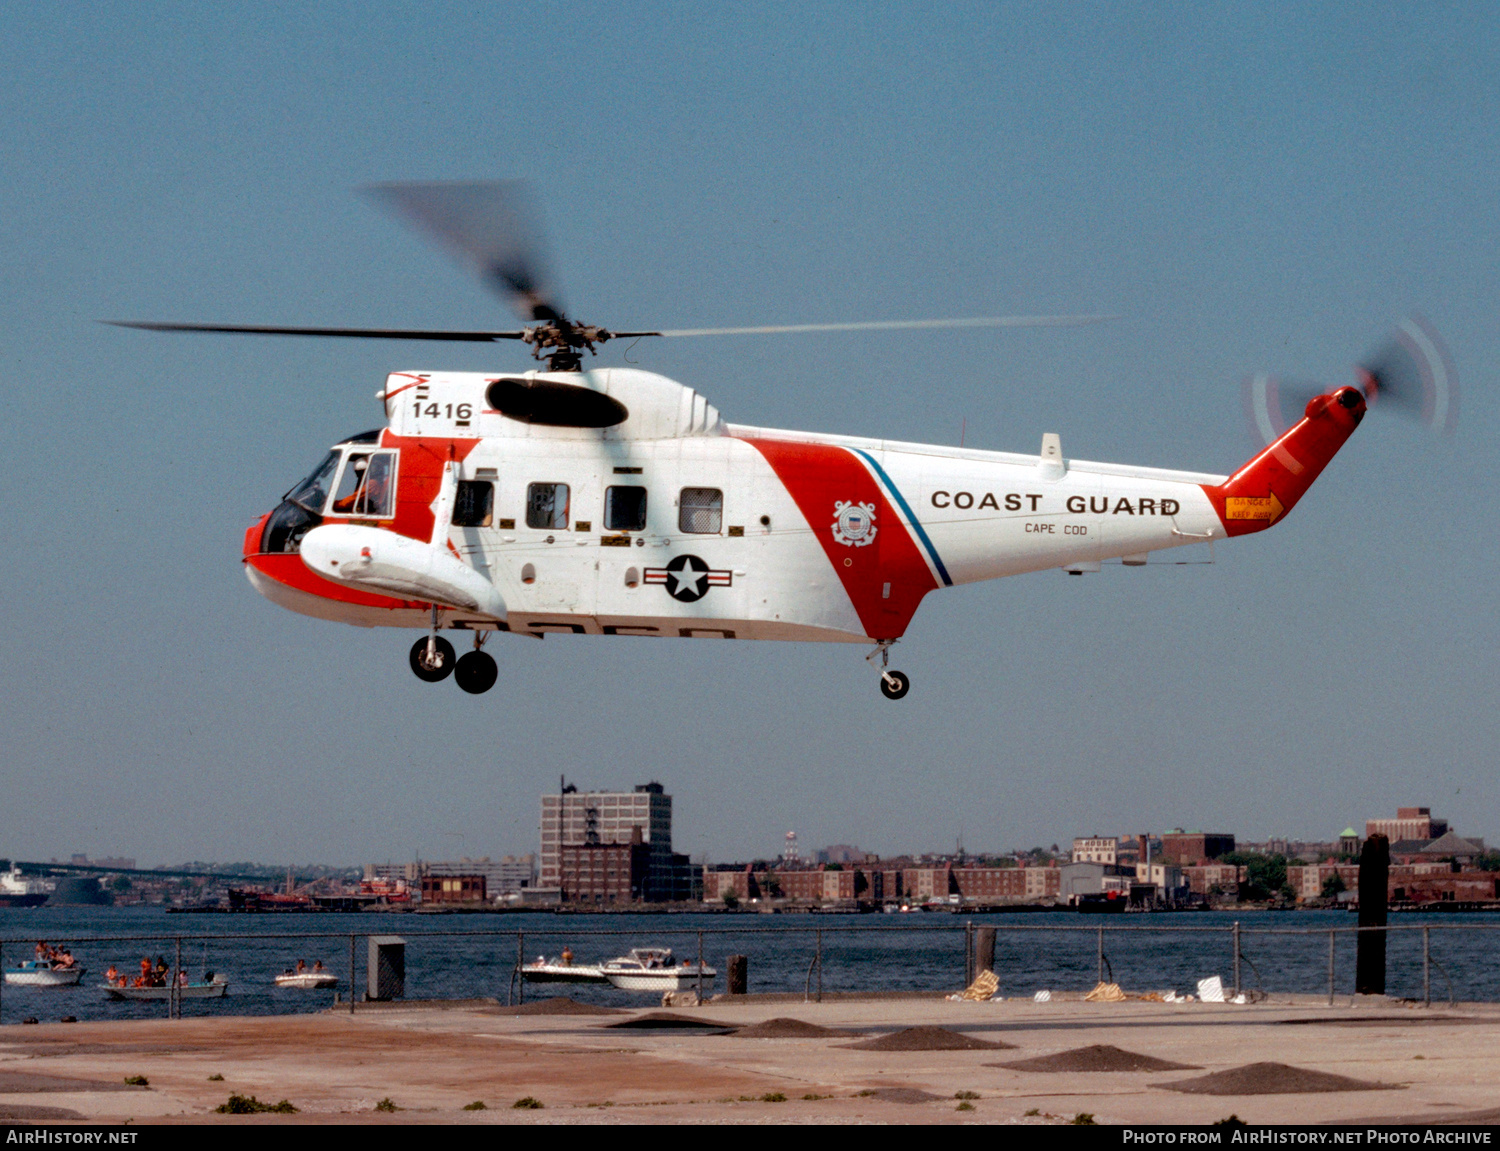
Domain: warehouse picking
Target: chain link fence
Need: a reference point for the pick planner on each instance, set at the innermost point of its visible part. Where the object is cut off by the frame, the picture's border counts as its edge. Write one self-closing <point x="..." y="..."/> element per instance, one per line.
<point x="203" y="974"/>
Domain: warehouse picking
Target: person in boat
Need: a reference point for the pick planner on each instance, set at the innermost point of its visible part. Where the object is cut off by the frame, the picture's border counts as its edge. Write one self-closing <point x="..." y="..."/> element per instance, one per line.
<point x="301" y="966"/>
<point x="62" y="957"/>
<point x="182" y="978"/>
<point x="567" y="956"/>
<point x="112" y="975"/>
<point x="160" y="972"/>
<point x="317" y="967"/>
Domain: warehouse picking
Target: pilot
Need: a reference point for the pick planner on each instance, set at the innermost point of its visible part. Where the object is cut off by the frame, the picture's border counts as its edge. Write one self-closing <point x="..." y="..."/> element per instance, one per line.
<point x="346" y="504"/>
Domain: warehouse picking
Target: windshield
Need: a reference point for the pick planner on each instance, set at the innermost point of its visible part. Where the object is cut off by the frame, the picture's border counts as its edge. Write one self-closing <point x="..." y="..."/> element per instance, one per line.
<point x="312" y="493"/>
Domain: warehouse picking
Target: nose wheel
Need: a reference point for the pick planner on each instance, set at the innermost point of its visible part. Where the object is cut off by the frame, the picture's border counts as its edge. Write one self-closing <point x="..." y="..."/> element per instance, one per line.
<point x="893" y="684"/>
<point x="432" y="658"/>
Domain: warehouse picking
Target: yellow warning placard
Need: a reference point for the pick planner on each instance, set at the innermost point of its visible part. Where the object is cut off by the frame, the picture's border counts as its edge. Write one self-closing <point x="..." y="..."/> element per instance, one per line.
<point x="1266" y="508"/>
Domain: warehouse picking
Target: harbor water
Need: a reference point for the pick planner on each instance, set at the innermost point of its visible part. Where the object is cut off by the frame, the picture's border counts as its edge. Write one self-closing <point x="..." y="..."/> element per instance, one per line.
<point x="466" y="956"/>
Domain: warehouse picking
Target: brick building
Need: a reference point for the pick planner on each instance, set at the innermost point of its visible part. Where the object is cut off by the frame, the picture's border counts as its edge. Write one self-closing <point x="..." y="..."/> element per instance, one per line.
<point x="1193" y="848"/>
<point x="876" y="884"/>
<point x="603" y="872"/>
<point x="1410" y="823"/>
<point x="453" y="889"/>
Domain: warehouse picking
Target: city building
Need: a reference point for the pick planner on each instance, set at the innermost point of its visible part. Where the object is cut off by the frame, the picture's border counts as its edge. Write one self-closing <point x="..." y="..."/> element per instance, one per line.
<point x="1410" y="823"/>
<point x="507" y="875"/>
<point x="1193" y="848"/>
<point x="1096" y="849"/>
<point x="604" y="872"/>
<point x="643" y="816"/>
<point x="453" y="889"/>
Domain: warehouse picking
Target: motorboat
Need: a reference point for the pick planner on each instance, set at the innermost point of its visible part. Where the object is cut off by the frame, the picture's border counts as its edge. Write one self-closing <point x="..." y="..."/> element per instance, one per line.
<point x="307" y="979"/>
<point x="215" y="988"/>
<point x="655" y="969"/>
<point x="44" y="973"/>
<point x="561" y="970"/>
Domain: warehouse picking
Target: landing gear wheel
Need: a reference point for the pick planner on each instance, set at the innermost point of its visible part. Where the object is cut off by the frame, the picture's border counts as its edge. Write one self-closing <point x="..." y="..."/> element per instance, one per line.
<point x="476" y="672"/>
<point x="439" y="666"/>
<point x="895" y="690"/>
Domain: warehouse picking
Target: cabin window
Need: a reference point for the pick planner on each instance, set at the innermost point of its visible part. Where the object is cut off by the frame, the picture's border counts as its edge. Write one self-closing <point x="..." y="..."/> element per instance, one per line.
<point x="366" y="486"/>
<point x="312" y="493"/>
<point x="700" y="511"/>
<point x="624" y="509"/>
<point x="474" y="504"/>
<point x="547" y="506"/>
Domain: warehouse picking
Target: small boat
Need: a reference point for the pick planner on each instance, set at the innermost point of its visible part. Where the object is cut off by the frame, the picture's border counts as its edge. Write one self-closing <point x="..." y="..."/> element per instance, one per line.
<point x="307" y="980"/>
<point x="43" y="973"/>
<point x="555" y="970"/>
<point x="655" y="969"/>
<point x="214" y="988"/>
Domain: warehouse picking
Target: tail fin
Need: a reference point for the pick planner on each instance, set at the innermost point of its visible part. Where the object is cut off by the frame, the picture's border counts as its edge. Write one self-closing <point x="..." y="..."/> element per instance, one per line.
<point x="1270" y="485"/>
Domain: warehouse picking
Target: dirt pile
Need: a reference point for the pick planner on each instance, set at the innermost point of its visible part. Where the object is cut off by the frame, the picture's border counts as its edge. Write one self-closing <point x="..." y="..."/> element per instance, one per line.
<point x="29" y="1082"/>
<point x="668" y="1021"/>
<point x="785" y="1028"/>
<point x="927" y="1039"/>
<point x="1099" y="1057"/>
<point x="560" y="1005"/>
<point x="1271" y="1079"/>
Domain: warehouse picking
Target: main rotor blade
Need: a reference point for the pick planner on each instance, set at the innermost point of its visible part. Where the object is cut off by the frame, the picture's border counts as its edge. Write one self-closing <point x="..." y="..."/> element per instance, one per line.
<point x="894" y="325"/>
<point x="353" y="333"/>
<point x="492" y="224"/>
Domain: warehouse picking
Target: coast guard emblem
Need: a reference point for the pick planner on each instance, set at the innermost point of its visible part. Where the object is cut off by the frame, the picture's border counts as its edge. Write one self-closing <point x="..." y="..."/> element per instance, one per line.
<point x="853" y="524"/>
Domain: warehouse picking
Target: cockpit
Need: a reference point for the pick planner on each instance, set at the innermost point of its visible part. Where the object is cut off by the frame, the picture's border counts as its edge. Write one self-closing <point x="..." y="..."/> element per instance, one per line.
<point x="356" y="480"/>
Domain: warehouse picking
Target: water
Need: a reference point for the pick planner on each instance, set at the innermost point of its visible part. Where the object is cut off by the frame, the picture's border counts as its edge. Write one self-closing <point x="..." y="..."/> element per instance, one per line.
<point x="464" y="956"/>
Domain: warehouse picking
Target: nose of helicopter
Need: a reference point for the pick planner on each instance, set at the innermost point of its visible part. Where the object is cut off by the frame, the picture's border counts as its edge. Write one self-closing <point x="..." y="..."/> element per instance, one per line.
<point x="253" y="536"/>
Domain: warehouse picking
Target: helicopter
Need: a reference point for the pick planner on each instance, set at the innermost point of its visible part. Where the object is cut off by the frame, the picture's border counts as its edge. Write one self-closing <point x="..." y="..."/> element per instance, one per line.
<point x="575" y="500"/>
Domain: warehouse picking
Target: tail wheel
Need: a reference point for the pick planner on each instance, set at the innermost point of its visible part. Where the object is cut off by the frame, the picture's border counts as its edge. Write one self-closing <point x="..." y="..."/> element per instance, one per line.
<point x="476" y="672"/>
<point x="438" y="665"/>
<point x="894" y="684"/>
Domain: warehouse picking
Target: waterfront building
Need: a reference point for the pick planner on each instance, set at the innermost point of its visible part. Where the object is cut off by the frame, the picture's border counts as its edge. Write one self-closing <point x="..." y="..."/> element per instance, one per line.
<point x="1096" y="849"/>
<point x="453" y="889"/>
<point x="1191" y="848"/>
<point x="573" y="818"/>
<point x="1410" y="823"/>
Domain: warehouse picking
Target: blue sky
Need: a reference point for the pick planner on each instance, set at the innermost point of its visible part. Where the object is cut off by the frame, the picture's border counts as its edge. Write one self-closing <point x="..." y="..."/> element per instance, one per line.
<point x="1247" y="187"/>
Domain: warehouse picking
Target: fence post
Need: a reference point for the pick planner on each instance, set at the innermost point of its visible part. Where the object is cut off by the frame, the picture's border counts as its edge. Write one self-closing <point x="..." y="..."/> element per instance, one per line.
<point x="1331" y="937"/>
<point x="968" y="953"/>
<point x="700" y="965"/>
<point x="1101" y="953"/>
<point x="520" y="963"/>
<point x="1236" y="957"/>
<point x="174" y="1000"/>
<point x="351" y="973"/>
<point x="820" y="965"/>
<point x="1426" y="967"/>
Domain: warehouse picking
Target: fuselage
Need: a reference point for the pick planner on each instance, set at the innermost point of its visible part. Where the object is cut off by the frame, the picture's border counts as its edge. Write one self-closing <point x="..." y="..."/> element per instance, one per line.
<point x="656" y="517"/>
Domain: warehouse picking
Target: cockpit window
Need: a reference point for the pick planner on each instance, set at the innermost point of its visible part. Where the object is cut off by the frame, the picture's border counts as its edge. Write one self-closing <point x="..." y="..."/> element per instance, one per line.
<point x="312" y="493"/>
<point x="366" y="486"/>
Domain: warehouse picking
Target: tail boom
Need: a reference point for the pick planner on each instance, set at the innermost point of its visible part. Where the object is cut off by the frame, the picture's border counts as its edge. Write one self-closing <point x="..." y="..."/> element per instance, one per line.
<point x="1269" y="486"/>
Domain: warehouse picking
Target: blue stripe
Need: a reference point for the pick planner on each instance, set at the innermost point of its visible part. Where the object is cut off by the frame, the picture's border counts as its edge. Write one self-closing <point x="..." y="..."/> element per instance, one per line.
<point x="910" y="515"/>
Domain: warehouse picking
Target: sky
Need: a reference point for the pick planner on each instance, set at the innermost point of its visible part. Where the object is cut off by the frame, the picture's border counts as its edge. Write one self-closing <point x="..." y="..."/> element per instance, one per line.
<point x="1246" y="187"/>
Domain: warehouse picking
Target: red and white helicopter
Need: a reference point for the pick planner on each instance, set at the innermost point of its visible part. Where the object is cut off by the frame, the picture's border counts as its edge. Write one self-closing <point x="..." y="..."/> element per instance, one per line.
<point x="614" y="501"/>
